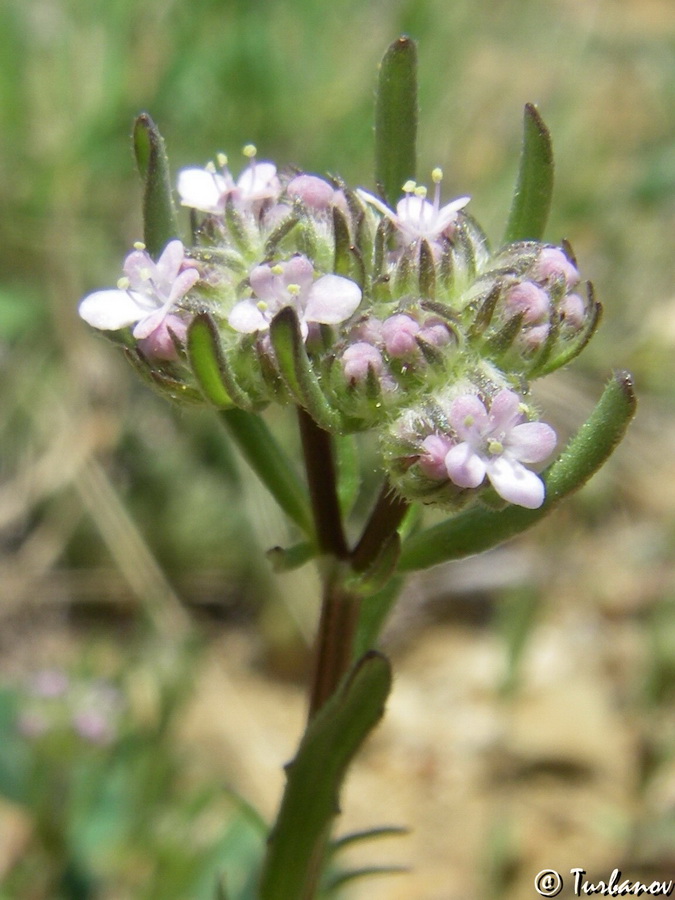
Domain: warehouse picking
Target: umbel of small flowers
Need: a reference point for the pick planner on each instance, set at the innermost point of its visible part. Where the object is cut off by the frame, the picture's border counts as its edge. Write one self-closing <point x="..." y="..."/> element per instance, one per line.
<point x="398" y="320"/>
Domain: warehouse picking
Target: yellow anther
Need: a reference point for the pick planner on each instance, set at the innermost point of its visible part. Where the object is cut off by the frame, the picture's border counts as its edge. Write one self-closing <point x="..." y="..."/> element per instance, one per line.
<point x="293" y="289"/>
<point x="420" y="191"/>
<point x="262" y="306"/>
<point x="468" y="421"/>
<point x="139" y="245"/>
<point x="437" y="175"/>
<point x="210" y="167"/>
<point x="277" y="270"/>
<point x="123" y="284"/>
<point x="409" y="187"/>
<point x="221" y="159"/>
<point x="249" y="151"/>
<point x="145" y="273"/>
<point x="495" y="447"/>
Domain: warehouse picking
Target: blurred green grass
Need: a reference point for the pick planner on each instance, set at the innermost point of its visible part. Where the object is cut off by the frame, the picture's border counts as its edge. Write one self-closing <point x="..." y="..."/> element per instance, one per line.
<point x="96" y="473"/>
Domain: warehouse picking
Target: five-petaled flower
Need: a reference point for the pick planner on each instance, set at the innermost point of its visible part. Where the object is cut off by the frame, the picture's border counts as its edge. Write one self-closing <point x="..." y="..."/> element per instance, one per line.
<point x="416" y="218"/>
<point x="208" y="189"/>
<point x="145" y="297"/>
<point x="329" y="300"/>
<point x="496" y="444"/>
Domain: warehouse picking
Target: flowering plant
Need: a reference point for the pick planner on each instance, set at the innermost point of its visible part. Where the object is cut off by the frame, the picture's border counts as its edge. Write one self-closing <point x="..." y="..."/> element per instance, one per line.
<point x="384" y="312"/>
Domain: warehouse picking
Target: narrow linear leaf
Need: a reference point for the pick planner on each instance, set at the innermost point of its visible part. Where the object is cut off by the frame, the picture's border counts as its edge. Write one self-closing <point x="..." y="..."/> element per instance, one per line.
<point x="315" y="776"/>
<point x="396" y="119"/>
<point x="479" y="529"/>
<point x="356" y="837"/>
<point x="296" y="369"/>
<point x="343" y="878"/>
<point x="373" y="615"/>
<point x="271" y="464"/>
<point x="203" y="347"/>
<point x="534" y="187"/>
<point x="159" y="213"/>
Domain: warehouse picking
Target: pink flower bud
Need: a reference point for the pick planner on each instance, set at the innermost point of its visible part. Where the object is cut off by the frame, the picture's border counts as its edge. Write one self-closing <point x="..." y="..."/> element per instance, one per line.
<point x="529" y="299"/>
<point x="398" y="334"/>
<point x="359" y="358"/>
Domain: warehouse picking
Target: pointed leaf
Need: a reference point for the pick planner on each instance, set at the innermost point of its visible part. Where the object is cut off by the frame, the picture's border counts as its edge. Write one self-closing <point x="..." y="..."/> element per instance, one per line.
<point x="296" y="369"/>
<point x="396" y="119"/>
<point x="159" y="213"/>
<point x="268" y="460"/>
<point x="373" y="615"/>
<point x="478" y="529"/>
<point x="338" y="881"/>
<point x="315" y="776"/>
<point x="534" y="188"/>
<point x="206" y="359"/>
<point x="355" y="837"/>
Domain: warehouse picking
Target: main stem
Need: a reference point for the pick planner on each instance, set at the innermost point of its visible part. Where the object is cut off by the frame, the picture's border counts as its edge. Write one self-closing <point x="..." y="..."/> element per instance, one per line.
<point x="339" y="609"/>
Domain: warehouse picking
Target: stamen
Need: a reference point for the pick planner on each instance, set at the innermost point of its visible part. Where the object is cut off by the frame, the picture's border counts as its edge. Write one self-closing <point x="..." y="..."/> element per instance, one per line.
<point x="123" y="283"/>
<point x="421" y="191"/>
<point x="210" y="167"/>
<point x="139" y="245"/>
<point x="277" y="269"/>
<point x="293" y="289"/>
<point x="468" y="421"/>
<point x="249" y="151"/>
<point x="262" y="305"/>
<point x="437" y="177"/>
<point x="409" y="187"/>
<point x="221" y="159"/>
<point x="495" y="447"/>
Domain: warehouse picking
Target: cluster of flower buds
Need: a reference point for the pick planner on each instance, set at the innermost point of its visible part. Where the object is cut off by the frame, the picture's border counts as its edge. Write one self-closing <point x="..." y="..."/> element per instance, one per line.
<point x="305" y="291"/>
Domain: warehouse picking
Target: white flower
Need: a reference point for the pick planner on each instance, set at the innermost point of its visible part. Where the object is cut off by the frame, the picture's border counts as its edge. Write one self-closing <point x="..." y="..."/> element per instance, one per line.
<point x="329" y="300"/>
<point x="497" y="444"/>
<point x="417" y="219"/>
<point x="208" y="189"/>
<point x="145" y="296"/>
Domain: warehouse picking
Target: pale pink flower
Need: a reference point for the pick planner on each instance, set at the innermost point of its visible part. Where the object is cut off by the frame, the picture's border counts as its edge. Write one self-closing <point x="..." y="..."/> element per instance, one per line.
<point x="416" y="218"/>
<point x="552" y="264"/>
<point x="145" y="298"/>
<point x="398" y="335"/>
<point x="208" y="189"/>
<point x="329" y="300"/>
<point x="496" y="444"/>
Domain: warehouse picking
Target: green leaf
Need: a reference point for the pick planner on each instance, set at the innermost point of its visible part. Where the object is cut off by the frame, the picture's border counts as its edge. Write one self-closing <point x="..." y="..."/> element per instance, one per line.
<point x="285" y="559"/>
<point x="479" y="529"/>
<point x="369" y="834"/>
<point x="297" y="372"/>
<point x="534" y="188"/>
<point x="315" y="776"/>
<point x="373" y="614"/>
<point x="338" y="881"/>
<point x="159" y="214"/>
<point x="210" y="367"/>
<point x="396" y="119"/>
<point x="268" y="460"/>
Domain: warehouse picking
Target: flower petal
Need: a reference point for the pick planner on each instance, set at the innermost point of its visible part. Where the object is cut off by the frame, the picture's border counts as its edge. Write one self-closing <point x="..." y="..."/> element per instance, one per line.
<point x="169" y="263"/>
<point x="332" y="299"/>
<point x="514" y="483"/>
<point x="201" y="189"/>
<point x="505" y="411"/>
<point x="464" y="466"/>
<point x="259" y="181"/>
<point x="112" y="309"/>
<point x="247" y="318"/>
<point x="531" y="442"/>
<point x="468" y="417"/>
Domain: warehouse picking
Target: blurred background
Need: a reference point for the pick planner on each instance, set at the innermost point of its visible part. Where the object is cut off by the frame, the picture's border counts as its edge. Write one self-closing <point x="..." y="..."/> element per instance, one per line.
<point x="151" y="668"/>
